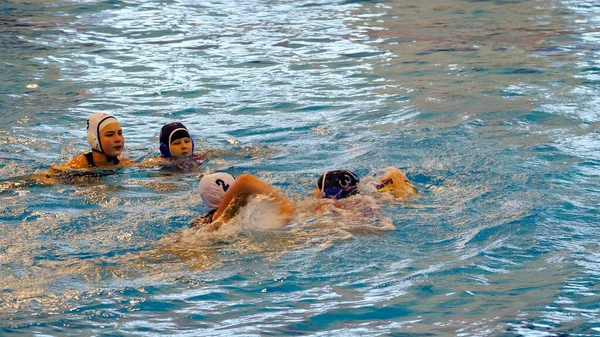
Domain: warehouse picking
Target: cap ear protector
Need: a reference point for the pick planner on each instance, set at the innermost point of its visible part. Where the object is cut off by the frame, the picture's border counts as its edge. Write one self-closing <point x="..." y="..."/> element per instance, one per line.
<point x="164" y="150"/>
<point x="166" y="133"/>
<point x="192" y="144"/>
<point x="93" y="141"/>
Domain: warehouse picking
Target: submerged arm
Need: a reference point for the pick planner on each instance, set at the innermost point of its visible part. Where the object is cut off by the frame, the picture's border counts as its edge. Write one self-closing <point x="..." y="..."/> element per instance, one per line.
<point x="49" y="176"/>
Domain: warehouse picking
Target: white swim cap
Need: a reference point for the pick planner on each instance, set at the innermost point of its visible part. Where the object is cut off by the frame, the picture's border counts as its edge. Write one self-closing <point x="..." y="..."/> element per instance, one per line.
<point x="95" y="123"/>
<point x="212" y="188"/>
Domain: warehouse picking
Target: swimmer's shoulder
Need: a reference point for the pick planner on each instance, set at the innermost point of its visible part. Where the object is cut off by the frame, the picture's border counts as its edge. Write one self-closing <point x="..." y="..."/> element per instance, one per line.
<point x="50" y="176"/>
<point x="78" y="162"/>
<point x="82" y="161"/>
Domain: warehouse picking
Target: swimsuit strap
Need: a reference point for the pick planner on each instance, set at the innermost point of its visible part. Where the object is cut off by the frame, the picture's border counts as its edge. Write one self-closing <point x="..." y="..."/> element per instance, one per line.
<point x="90" y="158"/>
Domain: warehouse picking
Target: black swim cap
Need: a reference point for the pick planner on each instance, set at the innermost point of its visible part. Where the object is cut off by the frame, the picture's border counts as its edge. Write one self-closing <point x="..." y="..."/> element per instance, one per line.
<point x="169" y="133"/>
<point x="338" y="184"/>
<point x="178" y="134"/>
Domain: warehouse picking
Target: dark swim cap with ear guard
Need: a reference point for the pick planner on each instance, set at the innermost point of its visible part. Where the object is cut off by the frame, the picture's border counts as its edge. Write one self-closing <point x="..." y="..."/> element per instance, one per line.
<point x="170" y="133"/>
<point x="338" y="184"/>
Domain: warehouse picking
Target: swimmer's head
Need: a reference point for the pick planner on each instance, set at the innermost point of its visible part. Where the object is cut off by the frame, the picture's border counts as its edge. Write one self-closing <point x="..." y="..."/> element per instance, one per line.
<point x="175" y="141"/>
<point x="213" y="186"/>
<point x="104" y="134"/>
<point x="396" y="183"/>
<point x="338" y="184"/>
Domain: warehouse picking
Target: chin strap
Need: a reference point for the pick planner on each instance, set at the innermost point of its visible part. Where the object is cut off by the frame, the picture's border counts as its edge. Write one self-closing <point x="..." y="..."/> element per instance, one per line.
<point x="113" y="160"/>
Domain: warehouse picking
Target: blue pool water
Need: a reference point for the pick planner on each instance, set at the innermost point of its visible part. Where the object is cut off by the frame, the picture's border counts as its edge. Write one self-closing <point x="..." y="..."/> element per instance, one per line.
<point x="490" y="107"/>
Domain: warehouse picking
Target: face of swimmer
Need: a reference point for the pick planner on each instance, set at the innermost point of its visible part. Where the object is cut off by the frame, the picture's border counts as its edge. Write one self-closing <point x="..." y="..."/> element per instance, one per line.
<point x="181" y="148"/>
<point x="111" y="138"/>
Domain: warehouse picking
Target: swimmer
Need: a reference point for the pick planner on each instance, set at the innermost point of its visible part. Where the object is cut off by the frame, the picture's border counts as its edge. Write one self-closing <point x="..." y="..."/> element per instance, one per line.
<point x="333" y="186"/>
<point x="105" y="136"/>
<point x="396" y="183"/>
<point x="342" y="184"/>
<point x="225" y="196"/>
<point x="337" y="184"/>
<point x="176" y="148"/>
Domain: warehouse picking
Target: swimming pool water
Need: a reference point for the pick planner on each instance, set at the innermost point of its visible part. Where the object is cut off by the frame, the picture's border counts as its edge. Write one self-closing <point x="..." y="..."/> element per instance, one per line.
<point x="490" y="107"/>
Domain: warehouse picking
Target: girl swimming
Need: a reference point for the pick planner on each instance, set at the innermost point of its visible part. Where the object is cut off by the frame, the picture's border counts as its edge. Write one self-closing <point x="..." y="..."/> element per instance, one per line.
<point x="176" y="148"/>
<point x="105" y="136"/>
<point x="225" y="196"/>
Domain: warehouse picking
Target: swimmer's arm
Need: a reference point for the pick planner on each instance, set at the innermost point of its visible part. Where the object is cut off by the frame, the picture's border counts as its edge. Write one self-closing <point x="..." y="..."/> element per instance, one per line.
<point x="48" y="177"/>
<point x="237" y="197"/>
<point x="153" y="162"/>
<point x="162" y="161"/>
<point x="205" y="155"/>
<point x="126" y="161"/>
